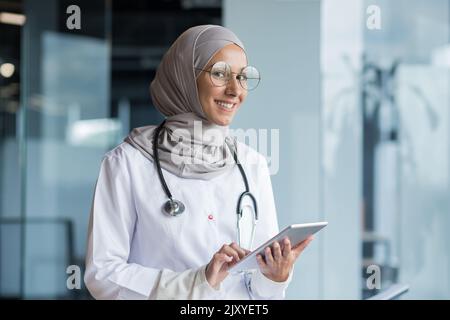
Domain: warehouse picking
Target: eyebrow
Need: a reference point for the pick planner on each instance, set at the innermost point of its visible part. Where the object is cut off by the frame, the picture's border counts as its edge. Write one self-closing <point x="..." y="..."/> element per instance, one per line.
<point x="209" y="67"/>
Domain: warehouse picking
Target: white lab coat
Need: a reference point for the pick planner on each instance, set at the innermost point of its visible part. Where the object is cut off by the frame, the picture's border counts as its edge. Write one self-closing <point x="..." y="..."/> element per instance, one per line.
<point x="136" y="252"/>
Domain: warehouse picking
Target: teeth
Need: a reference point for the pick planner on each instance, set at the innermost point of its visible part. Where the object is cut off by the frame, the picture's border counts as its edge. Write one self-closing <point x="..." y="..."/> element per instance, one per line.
<point x="225" y="105"/>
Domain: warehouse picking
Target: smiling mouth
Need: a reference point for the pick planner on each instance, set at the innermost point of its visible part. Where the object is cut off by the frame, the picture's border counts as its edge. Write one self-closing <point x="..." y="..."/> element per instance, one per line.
<point x="224" y="105"/>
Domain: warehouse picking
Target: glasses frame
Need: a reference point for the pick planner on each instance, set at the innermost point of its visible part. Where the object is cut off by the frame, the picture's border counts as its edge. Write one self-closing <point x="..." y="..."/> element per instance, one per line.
<point x="208" y="70"/>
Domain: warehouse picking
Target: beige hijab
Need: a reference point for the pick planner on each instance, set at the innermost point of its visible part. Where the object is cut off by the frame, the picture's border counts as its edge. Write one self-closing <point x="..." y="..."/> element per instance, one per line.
<point x="189" y="145"/>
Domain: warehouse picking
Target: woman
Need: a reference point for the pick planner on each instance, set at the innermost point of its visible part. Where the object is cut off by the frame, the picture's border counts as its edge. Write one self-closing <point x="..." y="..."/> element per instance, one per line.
<point x="136" y="249"/>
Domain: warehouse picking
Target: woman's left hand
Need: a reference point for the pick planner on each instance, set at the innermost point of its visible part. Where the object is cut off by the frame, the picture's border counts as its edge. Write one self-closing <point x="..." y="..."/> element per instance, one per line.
<point x="277" y="263"/>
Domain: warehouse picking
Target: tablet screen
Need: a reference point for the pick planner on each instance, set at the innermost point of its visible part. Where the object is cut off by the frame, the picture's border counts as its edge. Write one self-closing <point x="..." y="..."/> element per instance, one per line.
<point x="296" y="234"/>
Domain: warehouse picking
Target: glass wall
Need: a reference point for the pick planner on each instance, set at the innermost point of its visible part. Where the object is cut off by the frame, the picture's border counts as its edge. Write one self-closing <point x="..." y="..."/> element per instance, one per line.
<point x="10" y="187"/>
<point x="51" y="145"/>
<point x="412" y="210"/>
<point x="385" y="76"/>
<point x="67" y="130"/>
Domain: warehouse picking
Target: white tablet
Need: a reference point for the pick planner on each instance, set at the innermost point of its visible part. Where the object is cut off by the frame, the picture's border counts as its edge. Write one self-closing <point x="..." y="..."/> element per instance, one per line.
<point x="296" y="234"/>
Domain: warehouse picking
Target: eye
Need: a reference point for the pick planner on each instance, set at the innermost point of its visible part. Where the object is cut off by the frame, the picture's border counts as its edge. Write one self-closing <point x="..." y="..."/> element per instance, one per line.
<point x="242" y="77"/>
<point x="218" y="74"/>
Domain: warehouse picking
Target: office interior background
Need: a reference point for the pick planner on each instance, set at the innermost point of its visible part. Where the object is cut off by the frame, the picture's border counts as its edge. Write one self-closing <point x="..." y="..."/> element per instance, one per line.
<point x="362" y="113"/>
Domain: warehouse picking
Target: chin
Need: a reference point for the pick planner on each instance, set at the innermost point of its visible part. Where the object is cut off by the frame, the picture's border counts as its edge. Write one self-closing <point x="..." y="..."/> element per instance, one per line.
<point x="222" y="121"/>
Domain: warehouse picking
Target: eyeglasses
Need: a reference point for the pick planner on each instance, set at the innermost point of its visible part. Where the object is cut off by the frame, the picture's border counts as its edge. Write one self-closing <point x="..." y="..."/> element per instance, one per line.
<point x="220" y="74"/>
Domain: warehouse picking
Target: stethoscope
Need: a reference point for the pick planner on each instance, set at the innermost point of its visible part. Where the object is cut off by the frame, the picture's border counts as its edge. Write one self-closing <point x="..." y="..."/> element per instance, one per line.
<point x="175" y="207"/>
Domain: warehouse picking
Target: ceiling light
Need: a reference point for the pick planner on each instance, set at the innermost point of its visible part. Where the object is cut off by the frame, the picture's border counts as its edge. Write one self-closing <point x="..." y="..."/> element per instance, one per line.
<point x="7" y="70"/>
<point x="12" y="18"/>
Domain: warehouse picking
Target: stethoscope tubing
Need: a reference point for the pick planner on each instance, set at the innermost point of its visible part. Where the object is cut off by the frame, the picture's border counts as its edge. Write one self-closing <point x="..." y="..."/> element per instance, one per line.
<point x="175" y="207"/>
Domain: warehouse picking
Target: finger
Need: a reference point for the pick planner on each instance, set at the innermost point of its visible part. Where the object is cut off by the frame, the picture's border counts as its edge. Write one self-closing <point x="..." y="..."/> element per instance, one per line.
<point x="226" y="258"/>
<point x="302" y="245"/>
<point x="262" y="264"/>
<point x="219" y="260"/>
<point x="223" y="257"/>
<point x="231" y="252"/>
<point x="287" y="247"/>
<point x="268" y="257"/>
<point x="276" y="251"/>
<point x="247" y="251"/>
<point x="238" y="249"/>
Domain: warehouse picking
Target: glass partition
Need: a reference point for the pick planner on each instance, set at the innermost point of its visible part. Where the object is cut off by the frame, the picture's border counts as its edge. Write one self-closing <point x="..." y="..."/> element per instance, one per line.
<point x="67" y="129"/>
<point x="386" y="99"/>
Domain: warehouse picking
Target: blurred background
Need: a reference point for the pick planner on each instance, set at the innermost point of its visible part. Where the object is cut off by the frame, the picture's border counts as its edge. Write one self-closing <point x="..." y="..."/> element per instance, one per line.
<point x="359" y="90"/>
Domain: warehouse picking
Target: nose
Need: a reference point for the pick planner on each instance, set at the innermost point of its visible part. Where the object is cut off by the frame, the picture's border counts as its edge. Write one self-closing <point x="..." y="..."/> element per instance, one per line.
<point x="233" y="87"/>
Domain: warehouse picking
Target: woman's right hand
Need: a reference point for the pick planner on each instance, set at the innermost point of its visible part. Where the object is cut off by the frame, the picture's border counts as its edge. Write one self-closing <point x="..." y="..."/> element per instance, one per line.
<point x="222" y="260"/>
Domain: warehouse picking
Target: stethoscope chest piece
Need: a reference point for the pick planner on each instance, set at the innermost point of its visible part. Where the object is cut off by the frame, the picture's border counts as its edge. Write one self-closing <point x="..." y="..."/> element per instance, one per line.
<point x="174" y="207"/>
